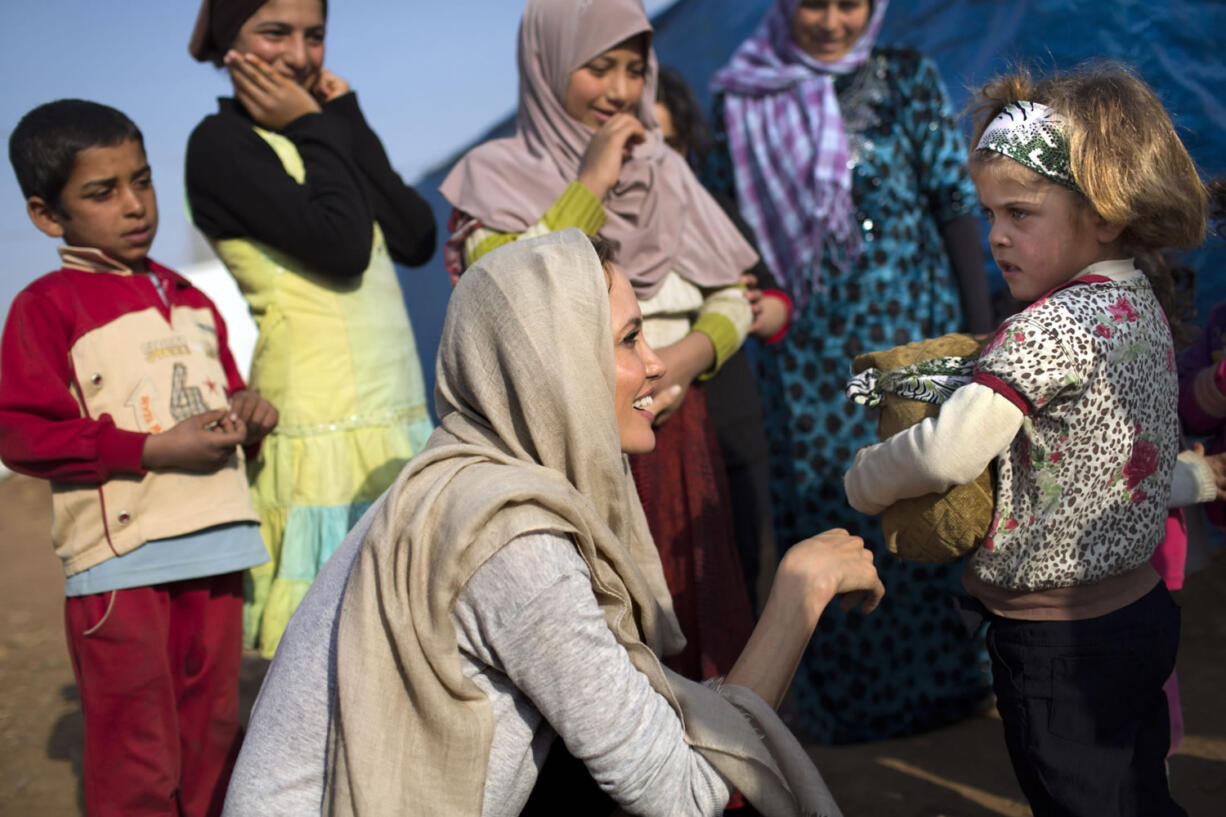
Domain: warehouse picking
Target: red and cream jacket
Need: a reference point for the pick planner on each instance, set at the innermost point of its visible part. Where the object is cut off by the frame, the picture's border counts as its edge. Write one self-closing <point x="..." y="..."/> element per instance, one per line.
<point x="92" y="361"/>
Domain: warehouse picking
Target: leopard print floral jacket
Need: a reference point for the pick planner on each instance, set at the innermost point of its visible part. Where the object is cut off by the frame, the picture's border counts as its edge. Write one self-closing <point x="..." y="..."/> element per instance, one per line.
<point x="1081" y="493"/>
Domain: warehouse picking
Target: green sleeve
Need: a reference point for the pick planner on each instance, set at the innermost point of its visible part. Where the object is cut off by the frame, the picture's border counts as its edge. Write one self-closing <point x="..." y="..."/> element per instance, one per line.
<point x="576" y="207"/>
<point x="722" y="332"/>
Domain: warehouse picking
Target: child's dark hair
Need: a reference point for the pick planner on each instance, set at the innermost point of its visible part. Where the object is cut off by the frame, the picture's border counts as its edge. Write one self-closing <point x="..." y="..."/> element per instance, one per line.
<point x="1125" y="156"/>
<point x="45" y="143"/>
<point x="692" y="130"/>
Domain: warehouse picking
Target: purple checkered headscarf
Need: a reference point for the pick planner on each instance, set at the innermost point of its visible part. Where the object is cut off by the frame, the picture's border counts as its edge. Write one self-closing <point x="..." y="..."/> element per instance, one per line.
<point x="789" y="150"/>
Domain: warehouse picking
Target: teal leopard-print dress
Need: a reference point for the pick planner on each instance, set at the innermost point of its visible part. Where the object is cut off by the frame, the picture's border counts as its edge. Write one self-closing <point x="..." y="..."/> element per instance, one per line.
<point x="911" y="665"/>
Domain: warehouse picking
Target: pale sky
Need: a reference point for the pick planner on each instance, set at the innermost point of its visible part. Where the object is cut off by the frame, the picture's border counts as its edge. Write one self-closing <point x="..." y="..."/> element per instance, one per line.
<point x="431" y="75"/>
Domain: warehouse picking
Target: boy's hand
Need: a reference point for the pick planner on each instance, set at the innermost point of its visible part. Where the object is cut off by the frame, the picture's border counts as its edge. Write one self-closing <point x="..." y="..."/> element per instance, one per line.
<point x="201" y="444"/>
<point x="259" y="415"/>
<point x="272" y="100"/>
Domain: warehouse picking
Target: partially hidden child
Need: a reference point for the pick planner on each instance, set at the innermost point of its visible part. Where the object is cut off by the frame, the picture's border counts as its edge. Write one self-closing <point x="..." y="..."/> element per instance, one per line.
<point x="1075" y="400"/>
<point x="118" y="387"/>
<point x="1202" y="377"/>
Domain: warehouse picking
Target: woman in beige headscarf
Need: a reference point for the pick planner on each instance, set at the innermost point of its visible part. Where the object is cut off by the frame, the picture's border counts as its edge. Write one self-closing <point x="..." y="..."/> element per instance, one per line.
<point x="505" y="591"/>
<point x="587" y="152"/>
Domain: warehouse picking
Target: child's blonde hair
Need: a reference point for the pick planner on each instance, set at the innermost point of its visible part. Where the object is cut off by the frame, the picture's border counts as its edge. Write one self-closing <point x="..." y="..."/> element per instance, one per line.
<point x="1125" y="156"/>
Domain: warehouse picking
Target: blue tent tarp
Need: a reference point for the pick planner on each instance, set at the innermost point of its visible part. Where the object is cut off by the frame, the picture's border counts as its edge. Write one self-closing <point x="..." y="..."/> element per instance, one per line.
<point x="1175" y="46"/>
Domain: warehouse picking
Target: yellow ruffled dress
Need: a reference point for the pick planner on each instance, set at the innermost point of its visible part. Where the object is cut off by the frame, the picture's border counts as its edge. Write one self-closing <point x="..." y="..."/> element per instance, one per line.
<point x="339" y="361"/>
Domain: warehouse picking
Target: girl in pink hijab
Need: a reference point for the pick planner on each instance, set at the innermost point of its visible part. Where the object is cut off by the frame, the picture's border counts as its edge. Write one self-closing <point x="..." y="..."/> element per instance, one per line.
<point x="588" y="153"/>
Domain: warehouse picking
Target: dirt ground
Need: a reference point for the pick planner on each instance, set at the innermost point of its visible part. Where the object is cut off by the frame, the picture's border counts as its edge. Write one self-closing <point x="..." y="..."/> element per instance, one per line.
<point x="959" y="771"/>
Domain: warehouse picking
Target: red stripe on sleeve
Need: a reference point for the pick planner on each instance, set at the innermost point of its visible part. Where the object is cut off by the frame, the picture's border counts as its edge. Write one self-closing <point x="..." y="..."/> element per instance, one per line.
<point x="787" y="301"/>
<point x="1004" y="390"/>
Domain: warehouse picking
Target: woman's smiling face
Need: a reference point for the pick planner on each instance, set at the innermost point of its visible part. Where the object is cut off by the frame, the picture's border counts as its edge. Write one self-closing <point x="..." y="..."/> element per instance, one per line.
<point x="609" y="83"/>
<point x="637" y="365"/>
<point x="827" y="30"/>
<point x="289" y="36"/>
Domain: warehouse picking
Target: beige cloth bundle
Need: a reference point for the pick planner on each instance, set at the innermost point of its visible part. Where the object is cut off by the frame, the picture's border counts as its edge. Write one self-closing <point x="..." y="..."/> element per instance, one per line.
<point x="528" y="441"/>
<point x="933" y="527"/>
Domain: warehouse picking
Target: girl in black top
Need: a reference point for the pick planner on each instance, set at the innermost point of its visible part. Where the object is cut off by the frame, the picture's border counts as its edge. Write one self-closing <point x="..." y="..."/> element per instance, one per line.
<point x="296" y="195"/>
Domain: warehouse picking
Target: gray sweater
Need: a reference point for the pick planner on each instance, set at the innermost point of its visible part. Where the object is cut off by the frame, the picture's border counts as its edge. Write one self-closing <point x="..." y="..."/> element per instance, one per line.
<point x="532" y="637"/>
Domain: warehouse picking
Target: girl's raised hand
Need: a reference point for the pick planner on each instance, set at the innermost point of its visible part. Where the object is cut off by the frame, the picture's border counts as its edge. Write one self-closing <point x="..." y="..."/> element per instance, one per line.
<point x="610" y="147"/>
<point x="329" y="87"/>
<point x="272" y="100"/>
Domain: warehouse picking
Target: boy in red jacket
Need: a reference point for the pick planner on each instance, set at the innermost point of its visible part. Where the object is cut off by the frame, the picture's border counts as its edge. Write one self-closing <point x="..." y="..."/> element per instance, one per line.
<point x="116" y="384"/>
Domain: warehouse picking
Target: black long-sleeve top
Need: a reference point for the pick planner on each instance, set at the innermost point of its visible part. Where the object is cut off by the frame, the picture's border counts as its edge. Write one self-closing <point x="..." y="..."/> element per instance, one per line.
<point x="238" y="188"/>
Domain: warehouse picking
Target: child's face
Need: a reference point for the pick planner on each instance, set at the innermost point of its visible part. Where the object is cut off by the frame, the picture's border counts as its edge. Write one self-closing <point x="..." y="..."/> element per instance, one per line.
<point x="609" y="83"/>
<point x="108" y="203"/>
<point x="827" y="30"/>
<point x="1042" y="234"/>
<point x="671" y="138"/>
<point x="289" y="36"/>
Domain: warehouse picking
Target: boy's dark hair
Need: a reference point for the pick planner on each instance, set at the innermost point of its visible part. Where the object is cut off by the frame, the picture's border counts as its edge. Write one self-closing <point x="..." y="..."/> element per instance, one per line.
<point x="674" y="93"/>
<point x="45" y="143"/>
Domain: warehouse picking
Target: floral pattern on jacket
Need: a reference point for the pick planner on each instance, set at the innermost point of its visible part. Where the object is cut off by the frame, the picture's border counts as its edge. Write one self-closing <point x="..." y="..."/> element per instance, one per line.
<point x="1081" y="493"/>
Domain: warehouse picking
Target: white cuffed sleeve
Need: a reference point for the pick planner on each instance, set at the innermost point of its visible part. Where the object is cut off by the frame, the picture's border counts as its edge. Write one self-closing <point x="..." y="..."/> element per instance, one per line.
<point x="975" y="425"/>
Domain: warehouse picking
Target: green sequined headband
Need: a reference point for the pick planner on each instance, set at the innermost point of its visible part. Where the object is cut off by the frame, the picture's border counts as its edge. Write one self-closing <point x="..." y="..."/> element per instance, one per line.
<point x="1035" y="136"/>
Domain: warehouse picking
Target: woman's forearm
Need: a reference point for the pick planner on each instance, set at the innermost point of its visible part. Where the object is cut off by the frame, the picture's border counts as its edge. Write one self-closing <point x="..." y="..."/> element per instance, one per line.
<point x="773" y="652"/>
<point x="810" y="575"/>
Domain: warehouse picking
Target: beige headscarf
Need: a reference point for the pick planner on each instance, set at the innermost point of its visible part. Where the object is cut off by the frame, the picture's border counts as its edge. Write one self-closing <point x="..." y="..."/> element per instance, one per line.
<point x="528" y="441"/>
<point x="660" y="217"/>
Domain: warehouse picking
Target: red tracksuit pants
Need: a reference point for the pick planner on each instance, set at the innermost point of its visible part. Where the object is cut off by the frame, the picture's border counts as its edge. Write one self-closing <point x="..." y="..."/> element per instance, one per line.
<point x="157" y="668"/>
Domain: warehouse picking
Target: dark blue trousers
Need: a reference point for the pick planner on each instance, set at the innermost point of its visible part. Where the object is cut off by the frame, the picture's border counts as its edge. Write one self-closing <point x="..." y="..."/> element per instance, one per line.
<point x="1084" y="713"/>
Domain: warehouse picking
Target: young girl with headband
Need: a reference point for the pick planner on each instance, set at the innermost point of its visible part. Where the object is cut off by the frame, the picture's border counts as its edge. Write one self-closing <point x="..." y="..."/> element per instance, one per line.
<point x="1075" y="400"/>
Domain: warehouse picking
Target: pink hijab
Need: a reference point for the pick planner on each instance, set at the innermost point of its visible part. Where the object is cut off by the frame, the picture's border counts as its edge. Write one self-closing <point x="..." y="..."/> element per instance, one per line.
<point x="659" y="217"/>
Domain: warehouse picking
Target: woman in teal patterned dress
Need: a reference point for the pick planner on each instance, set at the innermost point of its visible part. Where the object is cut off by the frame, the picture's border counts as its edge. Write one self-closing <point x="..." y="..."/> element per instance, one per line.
<point x="846" y="161"/>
